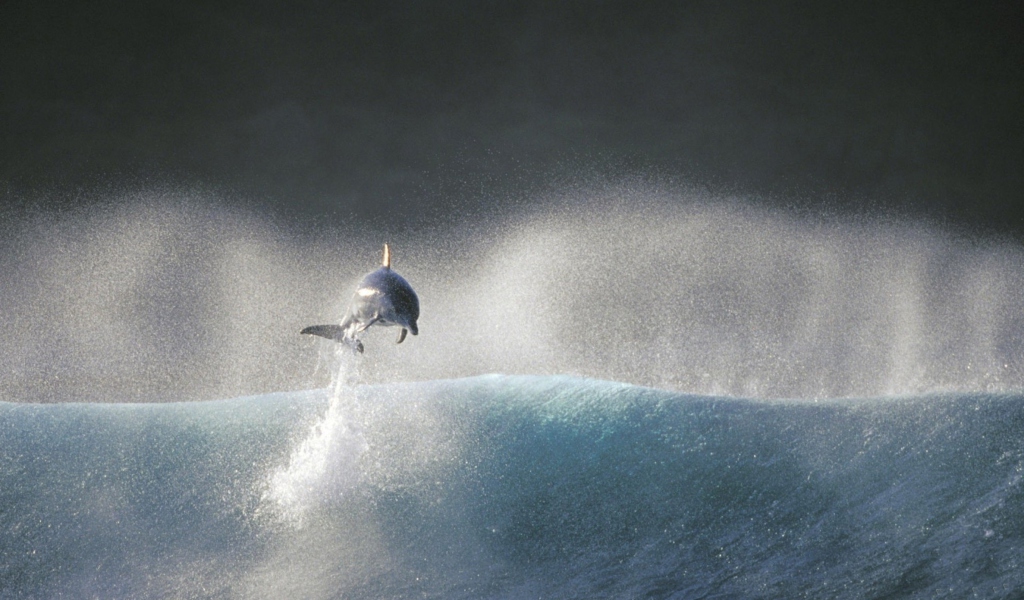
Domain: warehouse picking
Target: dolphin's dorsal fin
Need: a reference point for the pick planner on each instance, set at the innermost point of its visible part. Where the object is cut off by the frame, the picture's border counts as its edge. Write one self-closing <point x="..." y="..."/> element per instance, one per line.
<point x="387" y="257"/>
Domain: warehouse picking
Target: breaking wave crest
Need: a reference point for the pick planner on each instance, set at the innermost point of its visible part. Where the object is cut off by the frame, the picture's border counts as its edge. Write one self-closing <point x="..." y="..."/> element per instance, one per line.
<point x="510" y="487"/>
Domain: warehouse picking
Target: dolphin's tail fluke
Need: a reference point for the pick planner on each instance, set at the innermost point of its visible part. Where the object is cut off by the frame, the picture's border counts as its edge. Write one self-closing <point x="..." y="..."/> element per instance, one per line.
<point x="331" y="332"/>
<point x="387" y="257"/>
<point x="334" y="332"/>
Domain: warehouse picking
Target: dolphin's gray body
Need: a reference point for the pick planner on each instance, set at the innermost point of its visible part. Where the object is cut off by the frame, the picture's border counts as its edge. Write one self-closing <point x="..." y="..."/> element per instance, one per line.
<point x="382" y="298"/>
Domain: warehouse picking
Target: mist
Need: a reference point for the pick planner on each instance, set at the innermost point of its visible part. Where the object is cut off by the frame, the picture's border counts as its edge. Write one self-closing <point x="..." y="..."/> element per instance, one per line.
<point x="784" y="200"/>
<point x="179" y="295"/>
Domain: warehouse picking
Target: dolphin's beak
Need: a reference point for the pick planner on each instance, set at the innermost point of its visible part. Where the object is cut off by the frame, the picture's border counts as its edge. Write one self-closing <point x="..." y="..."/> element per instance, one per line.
<point x="412" y="327"/>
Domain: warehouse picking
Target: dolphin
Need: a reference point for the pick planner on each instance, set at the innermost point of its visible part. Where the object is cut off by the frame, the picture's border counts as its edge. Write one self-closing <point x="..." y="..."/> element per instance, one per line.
<point x="382" y="298"/>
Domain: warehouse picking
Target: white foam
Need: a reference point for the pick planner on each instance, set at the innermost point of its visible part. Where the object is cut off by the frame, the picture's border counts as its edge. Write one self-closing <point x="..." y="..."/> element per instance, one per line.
<point x="323" y="467"/>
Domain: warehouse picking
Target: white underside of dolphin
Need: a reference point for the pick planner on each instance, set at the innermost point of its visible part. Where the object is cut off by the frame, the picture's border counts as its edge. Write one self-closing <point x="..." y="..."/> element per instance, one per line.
<point x="384" y="298"/>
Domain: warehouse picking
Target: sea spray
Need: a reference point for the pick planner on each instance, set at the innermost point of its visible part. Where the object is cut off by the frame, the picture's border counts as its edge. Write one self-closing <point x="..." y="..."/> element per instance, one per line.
<point x="652" y="285"/>
<point x="324" y="465"/>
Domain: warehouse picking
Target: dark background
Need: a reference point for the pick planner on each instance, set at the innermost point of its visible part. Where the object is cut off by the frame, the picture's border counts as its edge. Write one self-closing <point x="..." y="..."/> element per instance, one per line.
<point x="422" y="110"/>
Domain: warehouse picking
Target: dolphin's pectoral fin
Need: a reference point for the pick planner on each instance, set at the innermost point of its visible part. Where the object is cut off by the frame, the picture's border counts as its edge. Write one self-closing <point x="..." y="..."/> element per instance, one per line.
<point x="401" y="336"/>
<point x="355" y="344"/>
<point x="331" y="332"/>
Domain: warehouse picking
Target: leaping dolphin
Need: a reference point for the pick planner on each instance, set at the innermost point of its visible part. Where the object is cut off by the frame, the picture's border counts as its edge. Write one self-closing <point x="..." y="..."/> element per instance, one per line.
<point x="382" y="298"/>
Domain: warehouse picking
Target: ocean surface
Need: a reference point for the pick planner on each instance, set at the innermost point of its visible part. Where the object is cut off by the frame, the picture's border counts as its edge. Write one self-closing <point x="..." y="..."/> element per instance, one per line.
<point x="513" y="487"/>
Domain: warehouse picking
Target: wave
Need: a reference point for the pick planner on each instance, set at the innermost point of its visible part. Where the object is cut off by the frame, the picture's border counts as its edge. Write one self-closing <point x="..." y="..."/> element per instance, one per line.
<point x="513" y="487"/>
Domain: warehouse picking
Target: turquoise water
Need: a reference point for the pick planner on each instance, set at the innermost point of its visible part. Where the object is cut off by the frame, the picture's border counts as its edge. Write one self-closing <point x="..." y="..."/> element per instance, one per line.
<point x="513" y="487"/>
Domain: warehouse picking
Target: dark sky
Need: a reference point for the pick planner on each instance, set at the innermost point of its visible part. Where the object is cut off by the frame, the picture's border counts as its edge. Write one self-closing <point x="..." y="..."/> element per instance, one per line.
<point x="330" y="109"/>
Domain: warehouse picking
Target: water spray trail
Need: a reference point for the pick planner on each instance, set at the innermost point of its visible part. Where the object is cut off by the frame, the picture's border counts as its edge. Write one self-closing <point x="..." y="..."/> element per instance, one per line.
<point x="324" y="465"/>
